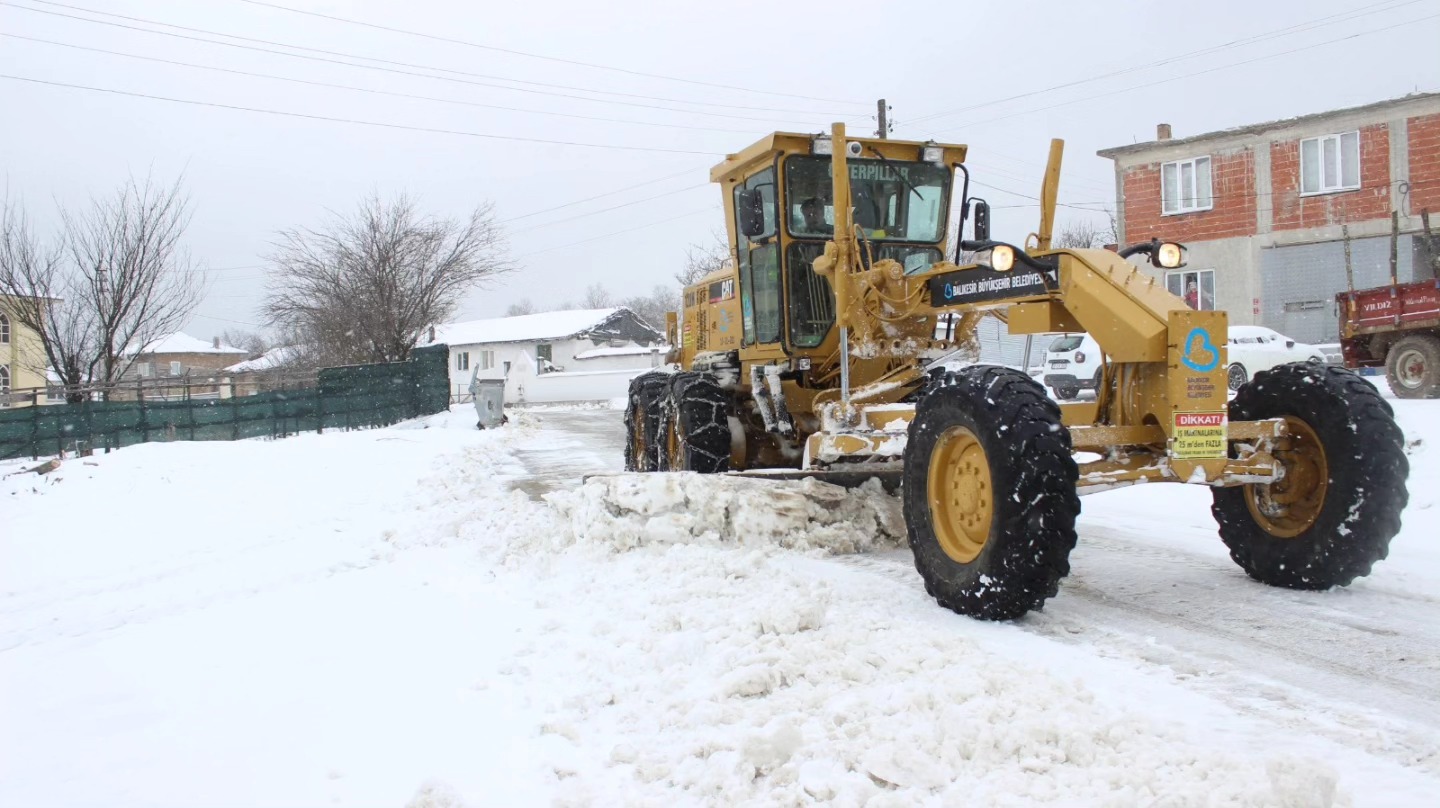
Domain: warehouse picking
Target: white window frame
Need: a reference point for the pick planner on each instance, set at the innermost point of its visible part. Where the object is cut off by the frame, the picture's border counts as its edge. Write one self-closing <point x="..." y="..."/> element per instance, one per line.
<point x="4" y="328"/>
<point x="5" y="386"/>
<point x="487" y="360"/>
<point x="462" y="360"/>
<point x="145" y="369"/>
<point x="1194" y="196"/>
<point x="1339" y="185"/>
<point x="177" y="369"/>
<point x="1200" y="276"/>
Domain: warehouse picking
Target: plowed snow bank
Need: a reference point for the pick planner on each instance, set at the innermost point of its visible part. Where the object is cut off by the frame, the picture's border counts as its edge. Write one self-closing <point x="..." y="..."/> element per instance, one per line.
<point x="634" y="510"/>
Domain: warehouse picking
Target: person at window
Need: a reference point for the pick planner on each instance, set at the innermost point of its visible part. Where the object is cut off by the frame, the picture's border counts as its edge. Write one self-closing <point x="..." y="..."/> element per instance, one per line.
<point x="1192" y="295"/>
<point x="813" y="215"/>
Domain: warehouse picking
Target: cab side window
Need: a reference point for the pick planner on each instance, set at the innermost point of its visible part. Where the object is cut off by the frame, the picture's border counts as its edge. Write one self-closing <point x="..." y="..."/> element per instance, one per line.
<point x="759" y="265"/>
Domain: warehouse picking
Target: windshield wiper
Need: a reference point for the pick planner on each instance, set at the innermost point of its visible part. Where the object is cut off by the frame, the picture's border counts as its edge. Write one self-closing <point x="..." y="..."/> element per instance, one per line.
<point x="892" y="167"/>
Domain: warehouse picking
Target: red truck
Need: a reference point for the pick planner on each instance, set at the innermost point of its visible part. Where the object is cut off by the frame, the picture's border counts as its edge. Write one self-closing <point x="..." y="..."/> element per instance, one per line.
<point x="1397" y="327"/>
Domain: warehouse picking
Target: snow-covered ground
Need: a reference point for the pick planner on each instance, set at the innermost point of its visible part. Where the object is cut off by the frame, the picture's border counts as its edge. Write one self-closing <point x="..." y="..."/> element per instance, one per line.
<point x="429" y="615"/>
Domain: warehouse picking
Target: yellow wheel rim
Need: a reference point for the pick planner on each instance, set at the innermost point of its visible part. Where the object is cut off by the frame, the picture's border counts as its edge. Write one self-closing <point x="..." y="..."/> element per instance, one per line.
<point x="1287" y="508"/>
<point x="962" y="499"/>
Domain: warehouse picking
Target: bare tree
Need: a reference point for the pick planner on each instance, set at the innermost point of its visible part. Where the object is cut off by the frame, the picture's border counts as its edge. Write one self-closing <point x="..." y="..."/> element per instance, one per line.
<point x="702" y="259"/>
<point x="1081" y="235"/>
<point x="520" y="308"/>
<point x="652" y="307"/>
<point x="111" y="282"/>
<point x="253" y="343"/>
<point x="597" y="297"/>
<point x="365" y="288"/>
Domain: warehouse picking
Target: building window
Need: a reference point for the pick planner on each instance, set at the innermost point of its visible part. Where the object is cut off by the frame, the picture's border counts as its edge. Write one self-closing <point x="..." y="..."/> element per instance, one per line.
<point x="1330" y="163"/>
<point x="487" y="360"/>
<point x="176" y="369"/>
<point x="545" y="357"/>
<point x="145" y="369"/>
<point x="4" y="328"/>
<point x="4" y="386"/>
<point x="1185" y="186"/>
<point x="1195" y="286"/>
<point x="462" y="360"/>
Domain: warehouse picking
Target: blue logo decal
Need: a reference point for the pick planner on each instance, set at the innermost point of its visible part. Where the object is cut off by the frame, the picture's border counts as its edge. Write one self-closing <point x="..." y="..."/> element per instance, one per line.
<point x="1200" y="353"/>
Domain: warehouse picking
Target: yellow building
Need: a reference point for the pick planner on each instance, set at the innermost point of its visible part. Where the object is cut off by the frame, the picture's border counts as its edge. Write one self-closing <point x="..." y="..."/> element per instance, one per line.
<point x="22" y="356"/>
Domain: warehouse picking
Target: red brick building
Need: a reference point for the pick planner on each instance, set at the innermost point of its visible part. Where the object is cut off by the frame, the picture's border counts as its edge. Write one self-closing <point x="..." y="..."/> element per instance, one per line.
<point x="1266" y="209"/>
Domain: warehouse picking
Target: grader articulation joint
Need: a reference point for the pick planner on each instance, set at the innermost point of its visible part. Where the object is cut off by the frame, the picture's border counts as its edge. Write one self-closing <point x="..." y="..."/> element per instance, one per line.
<point x="814" y="351"/>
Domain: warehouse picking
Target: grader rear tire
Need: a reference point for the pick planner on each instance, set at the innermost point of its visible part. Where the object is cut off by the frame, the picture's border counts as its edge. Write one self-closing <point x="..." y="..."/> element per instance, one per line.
<point x="1333" y="514"/>
<point x="989" y="492"/>
<point x="696" y="414"/>
<point x="642" y="421"/>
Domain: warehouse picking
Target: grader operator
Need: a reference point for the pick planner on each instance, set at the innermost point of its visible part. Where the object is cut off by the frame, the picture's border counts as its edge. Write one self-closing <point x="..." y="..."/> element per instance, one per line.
<point x="811" y="351"/>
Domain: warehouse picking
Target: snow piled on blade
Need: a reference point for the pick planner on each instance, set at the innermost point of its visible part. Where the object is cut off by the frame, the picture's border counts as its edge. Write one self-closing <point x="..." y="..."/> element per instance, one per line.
<point x="633" y="510"/>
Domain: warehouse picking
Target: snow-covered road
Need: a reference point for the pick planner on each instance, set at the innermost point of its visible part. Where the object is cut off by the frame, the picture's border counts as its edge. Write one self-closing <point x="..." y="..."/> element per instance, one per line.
<point x="429" y="615"/>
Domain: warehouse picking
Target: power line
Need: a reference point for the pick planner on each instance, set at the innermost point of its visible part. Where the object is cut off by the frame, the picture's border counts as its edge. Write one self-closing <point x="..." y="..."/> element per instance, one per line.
<point x="368" y="90"/>
<point x="599" y="196"/>
<point x="1196" y="73"/>
<point x="607" y="210"/>
<point x="1296" y="28"/>
<point x="370" y="59"/>
<point x="710" y="209"/>
<point x="379" y="124"/>
<point x="513" y="52"/>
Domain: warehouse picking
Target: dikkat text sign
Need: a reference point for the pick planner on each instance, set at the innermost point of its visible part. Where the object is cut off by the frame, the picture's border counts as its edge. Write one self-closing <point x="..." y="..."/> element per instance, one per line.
<point x="1199" y="435"/>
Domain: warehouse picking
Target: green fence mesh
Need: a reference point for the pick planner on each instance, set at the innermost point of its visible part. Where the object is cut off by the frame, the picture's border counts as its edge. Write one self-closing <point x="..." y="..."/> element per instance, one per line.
<point x="351" y="397"/>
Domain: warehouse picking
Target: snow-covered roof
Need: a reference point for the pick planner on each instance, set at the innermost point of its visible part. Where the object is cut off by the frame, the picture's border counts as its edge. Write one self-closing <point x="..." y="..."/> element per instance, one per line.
<point x="180" y="343"/>
<point x="273" y="358"/>
<point x="627" y="350"/>
<point x="526" y="327"/>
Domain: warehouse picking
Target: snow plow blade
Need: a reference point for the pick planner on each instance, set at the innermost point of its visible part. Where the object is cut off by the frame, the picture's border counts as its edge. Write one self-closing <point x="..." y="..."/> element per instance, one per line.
<point x="889" y="477"/>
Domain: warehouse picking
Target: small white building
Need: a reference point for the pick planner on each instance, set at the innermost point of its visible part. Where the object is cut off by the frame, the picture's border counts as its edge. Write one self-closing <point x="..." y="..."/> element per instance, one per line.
<point x="587" y="354"/>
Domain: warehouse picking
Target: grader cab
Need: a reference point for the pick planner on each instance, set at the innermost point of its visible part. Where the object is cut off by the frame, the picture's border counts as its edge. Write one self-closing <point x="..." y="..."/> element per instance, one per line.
<point x="812" y="353"/>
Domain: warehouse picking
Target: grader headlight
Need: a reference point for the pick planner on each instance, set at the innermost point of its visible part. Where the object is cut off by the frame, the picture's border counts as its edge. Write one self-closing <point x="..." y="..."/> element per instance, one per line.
<point x="1169" y="255"/>
<point x="1002" y="257"/>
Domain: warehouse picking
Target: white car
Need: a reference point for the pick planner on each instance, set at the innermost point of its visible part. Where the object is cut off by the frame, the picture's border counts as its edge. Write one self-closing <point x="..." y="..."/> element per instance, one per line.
<point x="1072" y="362"/>
<point x="1254" y="348"/>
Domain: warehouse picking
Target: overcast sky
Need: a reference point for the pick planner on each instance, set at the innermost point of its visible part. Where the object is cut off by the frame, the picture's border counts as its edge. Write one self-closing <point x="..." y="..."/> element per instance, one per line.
<point x="795" y="66"/>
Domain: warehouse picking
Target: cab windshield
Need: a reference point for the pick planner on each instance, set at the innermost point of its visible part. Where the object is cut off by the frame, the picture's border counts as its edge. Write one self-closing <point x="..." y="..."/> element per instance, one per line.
<point x="894" y="200"/>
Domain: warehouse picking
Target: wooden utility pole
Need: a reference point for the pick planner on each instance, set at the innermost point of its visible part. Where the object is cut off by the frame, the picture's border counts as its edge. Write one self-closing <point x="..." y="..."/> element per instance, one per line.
<point x="883" y="132"/>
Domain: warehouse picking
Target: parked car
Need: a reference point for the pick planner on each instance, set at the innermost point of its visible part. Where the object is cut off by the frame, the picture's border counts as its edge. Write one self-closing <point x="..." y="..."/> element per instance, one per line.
<point x="1072" y="362"/>
<point x="1254" y="348"/>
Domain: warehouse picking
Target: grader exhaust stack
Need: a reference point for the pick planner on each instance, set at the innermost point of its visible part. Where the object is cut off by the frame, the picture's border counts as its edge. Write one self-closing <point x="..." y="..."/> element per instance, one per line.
<point x="814" y="353"/>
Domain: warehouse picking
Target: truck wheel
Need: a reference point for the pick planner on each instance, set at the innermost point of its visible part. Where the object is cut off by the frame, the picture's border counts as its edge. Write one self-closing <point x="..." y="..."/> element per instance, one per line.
<point x="1236" y="376"/>
<point x="1332" y="515"/>
<point x="989" y="493"/>
<point x="642" y="422"/>
<point x="1412" y="367"/>
<point x="696" y="414"/>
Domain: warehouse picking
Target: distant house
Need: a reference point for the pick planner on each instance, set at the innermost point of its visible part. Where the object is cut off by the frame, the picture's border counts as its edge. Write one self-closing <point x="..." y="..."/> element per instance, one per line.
<point x="21" y="352"/>
<point x="607" y="342"/>
<point x="265" y="372"/>
<point x="167" y="366"/>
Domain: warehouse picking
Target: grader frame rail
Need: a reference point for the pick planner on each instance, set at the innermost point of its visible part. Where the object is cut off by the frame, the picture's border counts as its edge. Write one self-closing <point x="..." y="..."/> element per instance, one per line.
<point x="813" y="351"/>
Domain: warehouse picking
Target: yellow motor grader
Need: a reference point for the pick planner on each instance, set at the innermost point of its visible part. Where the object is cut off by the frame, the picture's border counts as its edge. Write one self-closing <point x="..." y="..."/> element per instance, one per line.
<point x="813" y="352"/>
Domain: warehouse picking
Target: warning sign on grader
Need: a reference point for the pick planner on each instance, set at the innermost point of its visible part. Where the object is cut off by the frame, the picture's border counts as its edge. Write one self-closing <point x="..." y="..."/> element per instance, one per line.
<point x="1199" y="435"/>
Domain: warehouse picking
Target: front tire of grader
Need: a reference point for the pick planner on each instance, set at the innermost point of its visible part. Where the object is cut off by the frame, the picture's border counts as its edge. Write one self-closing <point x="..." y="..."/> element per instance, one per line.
<point x="642" y="421"/>
<point x="989" y="493"/>
<point x="696" y="414"/>
<point x="1332" y="515"/>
